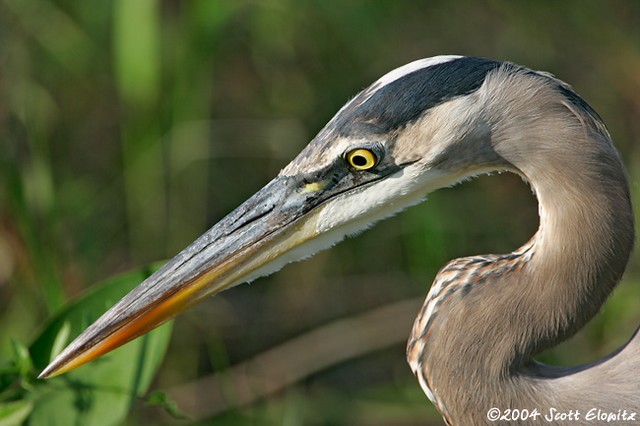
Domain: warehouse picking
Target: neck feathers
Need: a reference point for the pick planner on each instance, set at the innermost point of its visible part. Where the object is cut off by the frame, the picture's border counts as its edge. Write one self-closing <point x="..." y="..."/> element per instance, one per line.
<point x="486" y="317"/>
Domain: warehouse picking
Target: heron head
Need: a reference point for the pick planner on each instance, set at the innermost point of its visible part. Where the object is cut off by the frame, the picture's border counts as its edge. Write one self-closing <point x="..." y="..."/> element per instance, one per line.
<point x="402" y="137"/>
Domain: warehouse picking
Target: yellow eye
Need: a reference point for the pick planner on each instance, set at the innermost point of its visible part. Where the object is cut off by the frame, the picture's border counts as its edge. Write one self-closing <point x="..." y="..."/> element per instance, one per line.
<point x="361" y="159"/>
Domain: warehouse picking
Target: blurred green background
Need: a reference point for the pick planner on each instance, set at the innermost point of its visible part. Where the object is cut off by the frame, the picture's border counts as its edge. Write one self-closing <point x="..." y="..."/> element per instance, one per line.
<point x="127" y="128"/>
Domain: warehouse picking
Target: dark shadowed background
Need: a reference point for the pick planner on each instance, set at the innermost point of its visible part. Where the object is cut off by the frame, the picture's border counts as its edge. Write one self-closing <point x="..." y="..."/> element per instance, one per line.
<point x="127" y="128"/>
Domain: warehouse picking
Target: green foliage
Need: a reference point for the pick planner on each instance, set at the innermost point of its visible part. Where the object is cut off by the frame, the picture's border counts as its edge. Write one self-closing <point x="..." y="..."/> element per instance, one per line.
<point x="14" y="413"/>
<point x="129" y="127"/>
<point x="160" y="399"/>
<point x="99" y="393"/>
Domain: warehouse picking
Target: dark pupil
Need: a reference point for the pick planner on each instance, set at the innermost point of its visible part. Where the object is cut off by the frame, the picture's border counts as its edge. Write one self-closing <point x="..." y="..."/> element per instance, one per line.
<point x="359" y="160"/>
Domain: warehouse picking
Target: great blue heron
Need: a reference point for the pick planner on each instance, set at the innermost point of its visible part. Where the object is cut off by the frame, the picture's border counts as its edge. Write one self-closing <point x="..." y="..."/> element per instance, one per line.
<point x="427" y="125"/>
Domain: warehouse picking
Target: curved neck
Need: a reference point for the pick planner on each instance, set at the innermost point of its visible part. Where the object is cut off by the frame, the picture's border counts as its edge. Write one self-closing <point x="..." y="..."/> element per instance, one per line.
<point x="584" y="240"/>
<point x="480" y="328"/>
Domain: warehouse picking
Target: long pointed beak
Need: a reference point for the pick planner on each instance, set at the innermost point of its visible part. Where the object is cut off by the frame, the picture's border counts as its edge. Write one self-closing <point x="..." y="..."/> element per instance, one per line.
<point x="250" y="242"/>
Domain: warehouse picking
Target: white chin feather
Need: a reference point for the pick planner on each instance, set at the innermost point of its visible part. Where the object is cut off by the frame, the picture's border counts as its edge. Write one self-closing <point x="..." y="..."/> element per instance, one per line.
<point x="353" y="212"/>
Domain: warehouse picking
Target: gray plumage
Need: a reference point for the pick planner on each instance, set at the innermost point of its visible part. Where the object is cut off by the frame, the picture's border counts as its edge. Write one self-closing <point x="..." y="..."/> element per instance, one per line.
<point x="494" y="314"/>
<point x="430" y="124"/>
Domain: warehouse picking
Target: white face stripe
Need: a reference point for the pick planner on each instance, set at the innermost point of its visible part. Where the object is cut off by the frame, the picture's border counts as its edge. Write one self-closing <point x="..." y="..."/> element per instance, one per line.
<point x="394" y="75"/>
<point x="400" y="72"/>
<point x="407" y="69"/>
